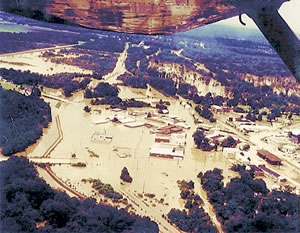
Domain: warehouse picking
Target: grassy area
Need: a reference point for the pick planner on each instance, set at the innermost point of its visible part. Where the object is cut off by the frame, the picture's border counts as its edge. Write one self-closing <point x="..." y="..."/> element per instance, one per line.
<point x="264" y="110"/>
<point x="245" y="108"/>
<point x="81" y="42"/>
<point x="9" y="86"/>
<point x="12" y="28"/>
<point x="106" y="189"/>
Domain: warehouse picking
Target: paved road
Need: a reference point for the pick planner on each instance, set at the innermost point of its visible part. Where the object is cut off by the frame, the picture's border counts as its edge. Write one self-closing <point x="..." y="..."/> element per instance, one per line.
<point x="56" y="98"/>
<point x="57" y="141"/>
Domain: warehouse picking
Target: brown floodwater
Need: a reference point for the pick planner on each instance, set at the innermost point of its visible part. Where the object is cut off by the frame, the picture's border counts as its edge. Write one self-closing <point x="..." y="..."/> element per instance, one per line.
<point x="158" y="176"/>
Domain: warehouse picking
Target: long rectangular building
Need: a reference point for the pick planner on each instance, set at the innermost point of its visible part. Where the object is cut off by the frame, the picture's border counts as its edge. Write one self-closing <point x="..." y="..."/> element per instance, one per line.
<point x="167" y="151"/>
<point x="269" y="157"/>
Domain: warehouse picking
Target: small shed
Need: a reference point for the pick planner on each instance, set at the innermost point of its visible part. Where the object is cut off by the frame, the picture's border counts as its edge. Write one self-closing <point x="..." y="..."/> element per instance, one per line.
<point x="230" y="153"/>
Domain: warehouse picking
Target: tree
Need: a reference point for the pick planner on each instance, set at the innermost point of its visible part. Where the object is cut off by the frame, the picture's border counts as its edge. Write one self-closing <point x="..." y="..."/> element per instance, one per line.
<point x="87" y="109"/>
<point x="125" y="175"/>
<point x="21" y="120"/>
<point x="229" y="142"/>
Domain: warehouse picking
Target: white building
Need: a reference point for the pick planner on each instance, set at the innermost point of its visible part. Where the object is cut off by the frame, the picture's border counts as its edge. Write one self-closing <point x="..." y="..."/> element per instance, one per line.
<point x="278" y="142"/>
<point x="242" y="159"/>
<point x="173" y="139"/>
<point x="290" y="149"/>
<point x="183" y="125"/>
<point x="253" y="128"/>
<point x="167" y="151"/>
<point x="230" y="153"/>
<point x="134" y="124"/>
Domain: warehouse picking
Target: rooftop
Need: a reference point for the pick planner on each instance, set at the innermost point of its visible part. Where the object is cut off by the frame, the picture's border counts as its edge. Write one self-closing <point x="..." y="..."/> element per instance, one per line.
<point x="264" y="168"/>
<point x="269" y="155"/>
<point x="161" y="149"/>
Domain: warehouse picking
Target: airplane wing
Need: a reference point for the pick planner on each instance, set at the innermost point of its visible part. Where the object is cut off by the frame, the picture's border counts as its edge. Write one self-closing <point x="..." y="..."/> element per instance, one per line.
<point x="130" y="16"/>
<point x="165" y="17"/>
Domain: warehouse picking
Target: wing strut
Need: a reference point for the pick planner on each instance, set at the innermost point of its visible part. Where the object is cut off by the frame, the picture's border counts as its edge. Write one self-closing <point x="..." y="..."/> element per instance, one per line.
<point x="265" y="15"/>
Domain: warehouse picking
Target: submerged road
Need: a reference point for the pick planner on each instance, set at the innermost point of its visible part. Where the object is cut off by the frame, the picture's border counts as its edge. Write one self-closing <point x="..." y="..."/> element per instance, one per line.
<point x="164" y="225"/>
<point x="63" y="184"/>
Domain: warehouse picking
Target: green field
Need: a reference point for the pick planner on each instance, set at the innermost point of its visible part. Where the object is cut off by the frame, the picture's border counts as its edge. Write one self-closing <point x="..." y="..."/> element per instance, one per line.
<point x="9" y="86"/>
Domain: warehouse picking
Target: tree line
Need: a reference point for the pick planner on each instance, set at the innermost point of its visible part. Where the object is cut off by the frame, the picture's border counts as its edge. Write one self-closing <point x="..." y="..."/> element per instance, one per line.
<point x="28" y="204"/>
<point x="246" y="205"/>
<point x="63" y="80"/>
<point x="193" y="217"/>
<point x="22" y="119"/>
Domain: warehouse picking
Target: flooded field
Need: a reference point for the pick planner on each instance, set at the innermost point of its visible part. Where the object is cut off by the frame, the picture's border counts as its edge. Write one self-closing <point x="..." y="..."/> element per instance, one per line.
<point x="35" y="63"/>
<point x="157" y="176"/>
<point x="150" y="175"/>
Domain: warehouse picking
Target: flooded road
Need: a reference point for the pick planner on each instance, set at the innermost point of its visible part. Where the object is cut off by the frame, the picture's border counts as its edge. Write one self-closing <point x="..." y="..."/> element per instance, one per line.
<point x="150" y="175"/>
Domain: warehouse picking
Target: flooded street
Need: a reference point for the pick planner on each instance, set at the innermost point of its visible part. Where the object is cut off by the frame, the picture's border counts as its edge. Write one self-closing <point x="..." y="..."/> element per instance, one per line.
<point x="98" y="145"/>
<point x="150" y="175"/>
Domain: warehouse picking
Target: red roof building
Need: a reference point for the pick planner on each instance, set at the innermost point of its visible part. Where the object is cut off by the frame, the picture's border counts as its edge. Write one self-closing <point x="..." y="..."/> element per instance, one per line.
<point x="257" y="170"/>
<point x="269" y="171"/>
<point x="170" y="129"/>
<point x="269" y="157"/>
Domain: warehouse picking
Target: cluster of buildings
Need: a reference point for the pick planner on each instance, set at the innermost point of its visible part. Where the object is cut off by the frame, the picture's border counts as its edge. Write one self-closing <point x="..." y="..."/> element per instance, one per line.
<point x="219" y="109"/>
<point x="168" y="120"/>
<point x="170" y="139"/>
<point x="287" y="142"/>
<point x="151" y="120"/>
<point x="169" y="130"/>
<point x="244" y="125"/>
<point x="262" y="170"/>
<point x="269" y="157"/>
<point x="169" y="145"/>
<point x="216" y="135"/>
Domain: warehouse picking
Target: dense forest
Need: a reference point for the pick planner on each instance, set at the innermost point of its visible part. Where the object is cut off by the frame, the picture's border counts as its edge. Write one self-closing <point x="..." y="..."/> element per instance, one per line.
<point x="227" y="71"/>
<point x="22" y="119"/>
<point x="28" y="204"/>
<point x="246" y="205"/>
<point x="101" y="90"/>
<point x="117" y="102"/>
<point x="192" y="218"/>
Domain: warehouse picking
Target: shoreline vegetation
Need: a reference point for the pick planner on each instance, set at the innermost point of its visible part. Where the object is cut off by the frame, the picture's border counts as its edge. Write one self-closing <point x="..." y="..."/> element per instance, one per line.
<point x="22" y="119"/>
<point x="246" y="205"/>
<point x="28" y="204"/>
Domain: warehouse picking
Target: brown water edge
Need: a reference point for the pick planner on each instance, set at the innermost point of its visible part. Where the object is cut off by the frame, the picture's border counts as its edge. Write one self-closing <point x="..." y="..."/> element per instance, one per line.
<point x="50" y="134"/>
<point x="148" y="173"/>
